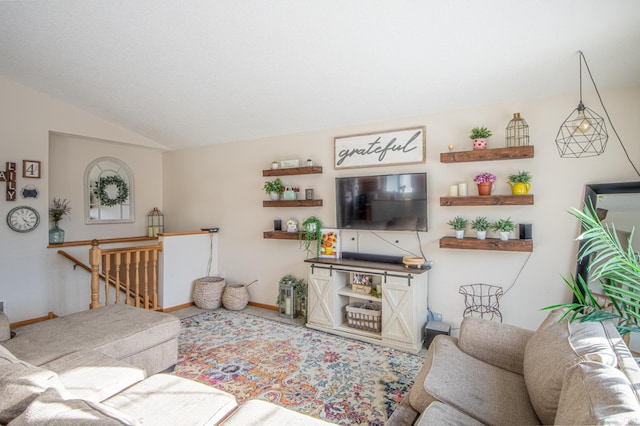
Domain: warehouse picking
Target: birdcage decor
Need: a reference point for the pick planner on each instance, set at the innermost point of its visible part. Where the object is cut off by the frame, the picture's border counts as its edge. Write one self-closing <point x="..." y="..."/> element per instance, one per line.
<point x="517" y="131"/>
<point x="287" y="306"/>
<point x="155" y="223"/>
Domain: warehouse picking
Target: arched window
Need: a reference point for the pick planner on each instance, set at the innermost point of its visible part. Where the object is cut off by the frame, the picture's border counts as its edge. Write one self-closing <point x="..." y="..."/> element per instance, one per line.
<point x="108" y="192"/>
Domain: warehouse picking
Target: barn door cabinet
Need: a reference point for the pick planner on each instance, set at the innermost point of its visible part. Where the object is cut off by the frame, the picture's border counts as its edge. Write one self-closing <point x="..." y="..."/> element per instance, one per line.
<point x="403" y="301"/>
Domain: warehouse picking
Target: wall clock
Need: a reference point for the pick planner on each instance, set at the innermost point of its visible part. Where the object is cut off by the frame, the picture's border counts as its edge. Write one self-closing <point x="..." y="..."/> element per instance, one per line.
<point x="23" y="219"/>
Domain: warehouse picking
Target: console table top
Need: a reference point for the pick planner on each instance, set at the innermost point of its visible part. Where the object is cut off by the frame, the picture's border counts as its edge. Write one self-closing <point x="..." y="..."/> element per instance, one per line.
<point x="391" y="267"/>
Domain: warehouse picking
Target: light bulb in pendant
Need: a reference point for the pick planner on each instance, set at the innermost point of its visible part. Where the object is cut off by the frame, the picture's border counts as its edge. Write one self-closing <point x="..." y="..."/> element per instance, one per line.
<point x="582" y="123"/>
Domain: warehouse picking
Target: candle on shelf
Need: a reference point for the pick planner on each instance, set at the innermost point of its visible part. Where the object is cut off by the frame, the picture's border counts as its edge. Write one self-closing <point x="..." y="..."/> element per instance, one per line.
<point x="453" y="190"/>
<point x="462" y="189"/>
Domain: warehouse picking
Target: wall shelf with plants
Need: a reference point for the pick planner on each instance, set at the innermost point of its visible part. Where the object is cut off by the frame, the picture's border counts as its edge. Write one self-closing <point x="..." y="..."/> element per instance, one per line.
<point x="292" y="203"/>
<point x="510" y="153"/>
<point x="488" y="200"/>
<point x="486" y="244"/>
<point x="291" y="171"/>
<point x="281" y="235"/>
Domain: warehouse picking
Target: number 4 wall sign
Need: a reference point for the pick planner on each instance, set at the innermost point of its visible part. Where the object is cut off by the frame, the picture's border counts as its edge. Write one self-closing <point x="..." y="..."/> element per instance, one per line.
<point x="9" y="176"/>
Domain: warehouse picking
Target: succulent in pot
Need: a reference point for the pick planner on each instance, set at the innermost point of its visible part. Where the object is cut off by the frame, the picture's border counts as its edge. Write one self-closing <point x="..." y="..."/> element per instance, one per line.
<point x="481" y="225"/>
<point x="520" y="183"/>
<point x="503" y="226"/>
<point x="479" y="136"/>
<point x="458" y="223"/>
<point x="273" y="188"/>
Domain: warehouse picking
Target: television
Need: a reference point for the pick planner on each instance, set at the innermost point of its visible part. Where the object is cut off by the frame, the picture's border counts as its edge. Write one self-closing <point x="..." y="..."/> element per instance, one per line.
<point x="395" y="202"/>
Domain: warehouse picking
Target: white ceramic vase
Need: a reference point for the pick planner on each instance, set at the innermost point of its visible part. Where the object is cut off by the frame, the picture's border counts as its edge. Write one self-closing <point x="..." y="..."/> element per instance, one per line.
<point x="274" y="196"/>
<point x="504" y="236"/>
<point x="460" y="234"/>
<point x="482" y="235"/>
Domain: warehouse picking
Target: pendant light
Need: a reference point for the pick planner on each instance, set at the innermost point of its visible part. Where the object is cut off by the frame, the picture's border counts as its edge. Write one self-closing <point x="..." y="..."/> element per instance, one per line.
<point x="583" y="133"/>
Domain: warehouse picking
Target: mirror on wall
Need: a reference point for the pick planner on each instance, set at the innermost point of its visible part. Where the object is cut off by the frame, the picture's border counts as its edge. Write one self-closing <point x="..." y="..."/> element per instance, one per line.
<point x="108" y="191"/>
<point x="617" y="204"/>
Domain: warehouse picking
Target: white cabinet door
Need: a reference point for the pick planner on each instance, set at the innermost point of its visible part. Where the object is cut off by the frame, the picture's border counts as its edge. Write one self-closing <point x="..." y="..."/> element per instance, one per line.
<point x="321" y="299"/>
<point x="398" y="310"/>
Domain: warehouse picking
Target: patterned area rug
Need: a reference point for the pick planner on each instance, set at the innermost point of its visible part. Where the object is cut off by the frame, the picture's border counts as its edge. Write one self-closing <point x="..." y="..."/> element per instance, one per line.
<point x="339" y="380"/>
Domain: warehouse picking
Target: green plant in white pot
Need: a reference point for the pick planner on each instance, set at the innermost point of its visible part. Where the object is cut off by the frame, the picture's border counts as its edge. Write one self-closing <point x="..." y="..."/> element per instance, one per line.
<point x="273" y="188"/>
<point x="310" y="231"/>
<point x="481" y="225"/>
<point x="503" y="226"/>
<point x="458" y="224"/>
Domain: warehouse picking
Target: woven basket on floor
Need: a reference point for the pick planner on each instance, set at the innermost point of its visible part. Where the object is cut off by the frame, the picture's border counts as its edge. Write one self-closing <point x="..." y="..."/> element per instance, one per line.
<point x="207" y="293"/>
<point x="235" y="297"/>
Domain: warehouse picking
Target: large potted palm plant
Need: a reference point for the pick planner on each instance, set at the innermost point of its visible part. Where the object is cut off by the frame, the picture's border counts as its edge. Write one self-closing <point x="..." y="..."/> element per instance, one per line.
<point x="615" y="265"/>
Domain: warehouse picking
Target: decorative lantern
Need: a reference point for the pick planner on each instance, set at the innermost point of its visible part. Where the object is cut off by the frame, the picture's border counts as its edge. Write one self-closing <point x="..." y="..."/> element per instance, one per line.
<point x="287" y="301"/>
<point x="155" y="223"/>
<point x="517" y="132"/>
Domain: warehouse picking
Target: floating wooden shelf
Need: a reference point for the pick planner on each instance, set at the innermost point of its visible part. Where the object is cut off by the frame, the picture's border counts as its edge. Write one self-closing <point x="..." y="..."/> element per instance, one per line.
<point x="488" y="200"/>
<point x="289" y="171"/>
<point x="512" y="153"/>
<point x="292" y="203"/>
<point x="488" y="244"/>
<point x="280" y="235"/>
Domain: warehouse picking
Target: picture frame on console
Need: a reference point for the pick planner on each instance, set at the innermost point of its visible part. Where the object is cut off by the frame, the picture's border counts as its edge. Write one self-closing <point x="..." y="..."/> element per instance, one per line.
<point x="330" y="244"/>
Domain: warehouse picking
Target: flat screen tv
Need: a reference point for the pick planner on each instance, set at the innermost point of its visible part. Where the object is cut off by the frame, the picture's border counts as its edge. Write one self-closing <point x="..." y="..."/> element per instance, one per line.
<point x="382" y="202"/>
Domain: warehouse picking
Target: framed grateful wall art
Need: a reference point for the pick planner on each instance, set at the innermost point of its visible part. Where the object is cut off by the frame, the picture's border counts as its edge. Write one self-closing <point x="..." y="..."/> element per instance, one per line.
<point x="390" y="148"/>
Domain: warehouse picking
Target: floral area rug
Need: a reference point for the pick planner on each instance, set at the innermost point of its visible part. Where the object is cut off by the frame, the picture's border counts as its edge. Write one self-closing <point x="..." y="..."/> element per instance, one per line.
<point x="339" y="380"/>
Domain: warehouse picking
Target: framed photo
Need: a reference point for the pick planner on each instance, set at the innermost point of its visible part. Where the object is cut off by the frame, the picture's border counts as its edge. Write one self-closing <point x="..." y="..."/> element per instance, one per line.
<point x="330" y="243"/>
<point x="31" y="169"/>
<point x="393" y="147"/>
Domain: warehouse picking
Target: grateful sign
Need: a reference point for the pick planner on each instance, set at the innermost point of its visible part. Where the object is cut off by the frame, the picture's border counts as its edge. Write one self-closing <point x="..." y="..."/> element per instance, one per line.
<point x="402" y="146"/>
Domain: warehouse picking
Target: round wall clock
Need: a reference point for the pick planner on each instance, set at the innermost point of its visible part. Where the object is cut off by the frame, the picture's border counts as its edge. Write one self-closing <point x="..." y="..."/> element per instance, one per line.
<point x="23" y="219"/>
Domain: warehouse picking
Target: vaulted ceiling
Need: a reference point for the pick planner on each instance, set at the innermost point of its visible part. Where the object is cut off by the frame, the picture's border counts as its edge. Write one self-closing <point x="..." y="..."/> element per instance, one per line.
<point x="188" y="73"/>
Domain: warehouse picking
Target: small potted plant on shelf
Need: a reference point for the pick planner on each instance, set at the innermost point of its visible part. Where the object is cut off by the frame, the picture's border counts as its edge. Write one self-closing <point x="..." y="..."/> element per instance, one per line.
<point x="458" y="223"/>
<point x="520" y="183"/>
<point x="60" y="209"/>
<point x="273" y="188"/>
<point x="503" y="226"/>
<point x="481" y="225"/>
<point x="479" y="136"/>
<point x="485" y="182"/>
<point x="311" y="231"/>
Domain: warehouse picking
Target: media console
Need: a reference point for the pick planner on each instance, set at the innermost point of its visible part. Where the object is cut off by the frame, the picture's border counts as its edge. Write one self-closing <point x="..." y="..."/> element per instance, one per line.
<point x="403" y="302"/>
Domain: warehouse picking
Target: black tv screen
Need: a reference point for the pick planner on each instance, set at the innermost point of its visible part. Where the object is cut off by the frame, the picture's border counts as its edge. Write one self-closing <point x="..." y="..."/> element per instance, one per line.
<point x="382" y="202"/>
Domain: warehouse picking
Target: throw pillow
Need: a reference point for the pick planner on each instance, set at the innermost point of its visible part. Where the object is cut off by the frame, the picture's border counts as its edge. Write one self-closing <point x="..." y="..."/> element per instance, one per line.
<point x="21" y="383"/>
<point x="554" y="348"/>
<point x="594" y="393"/>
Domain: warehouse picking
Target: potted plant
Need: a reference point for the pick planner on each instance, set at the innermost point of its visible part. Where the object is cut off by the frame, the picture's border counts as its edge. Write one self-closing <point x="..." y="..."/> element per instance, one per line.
<point x="485" y="183"/>
<point x="503" y="226"/>
<point x="458" y="223"/>
<point x="60" y="209"/>
<point x="481" y="225"/>
<point x="520" y="183"/>
<point x="275" y="165"/>
<point x="273" y="188"/>
<point x="311" y="231"/>
<point x="617" y="269"/>
<point x="479" y="136"/>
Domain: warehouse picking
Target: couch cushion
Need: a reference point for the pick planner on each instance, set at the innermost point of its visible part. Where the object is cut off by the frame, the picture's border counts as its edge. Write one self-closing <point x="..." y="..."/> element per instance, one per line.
<point x="483" y="391"/>
<point x="553" y="348"/>
<point x="20" y="383"/>
<point x="256" y="412"/>
<point x="5" y="328"/>
<point x="164" y="399"/>
<point x="441" y="414"/>
<point x="92" y="376"/>
<point x="594" y="393"/>
<point x="118" y="331"/>
<point x="51" y="409"/>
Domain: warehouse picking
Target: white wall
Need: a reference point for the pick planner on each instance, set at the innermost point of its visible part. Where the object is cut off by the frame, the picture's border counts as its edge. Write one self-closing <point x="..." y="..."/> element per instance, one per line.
<point x="26" y="265"/>
<point x="221" y="186"/>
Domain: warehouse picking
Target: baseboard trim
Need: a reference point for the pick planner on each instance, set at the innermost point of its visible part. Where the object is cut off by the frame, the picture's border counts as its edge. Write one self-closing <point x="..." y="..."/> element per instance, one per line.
<point x="177" y="308"/>
<point x="263" y="306"/>
<point x="49" y="316"/>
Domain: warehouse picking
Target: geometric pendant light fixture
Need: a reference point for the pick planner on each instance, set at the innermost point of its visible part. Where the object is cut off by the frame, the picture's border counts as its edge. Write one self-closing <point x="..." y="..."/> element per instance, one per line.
<point x="583" y="133"/>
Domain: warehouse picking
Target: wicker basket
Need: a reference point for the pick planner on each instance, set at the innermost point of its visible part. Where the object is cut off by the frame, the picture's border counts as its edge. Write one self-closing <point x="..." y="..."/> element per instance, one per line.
<point x="365" y="316"/>
<point x="235" y="297"/>
<point x="207" y="292"/>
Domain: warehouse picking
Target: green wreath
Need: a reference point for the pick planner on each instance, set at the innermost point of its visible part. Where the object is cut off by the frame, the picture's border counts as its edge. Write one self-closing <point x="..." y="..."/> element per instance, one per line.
<point x="103" y="183"/>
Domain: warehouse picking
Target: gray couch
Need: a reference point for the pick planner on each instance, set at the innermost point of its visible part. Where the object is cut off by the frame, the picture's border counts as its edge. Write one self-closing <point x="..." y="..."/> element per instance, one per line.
<point x="498" y="374"/>
<point x="103" y="366"/>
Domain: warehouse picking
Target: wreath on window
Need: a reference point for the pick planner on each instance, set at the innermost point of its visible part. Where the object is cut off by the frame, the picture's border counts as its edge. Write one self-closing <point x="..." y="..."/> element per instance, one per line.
<point x="105" y="182"/>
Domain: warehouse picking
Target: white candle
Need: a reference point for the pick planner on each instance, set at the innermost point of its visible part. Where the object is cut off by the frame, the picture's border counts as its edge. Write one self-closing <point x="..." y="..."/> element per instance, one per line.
<point x="462" y="189"/>
<point x="287" y="306"/>
<point x="453" y="190"/>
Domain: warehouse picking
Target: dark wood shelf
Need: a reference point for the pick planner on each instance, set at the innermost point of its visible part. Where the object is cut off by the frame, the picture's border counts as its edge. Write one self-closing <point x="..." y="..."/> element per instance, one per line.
<point x="290" y="171"/>
<point x="512" y="153"/>
<point x="281" y="235"/>
<point x="292" y="203"/>
<point x="488" y="244"/>
<point x="488" y="200"/>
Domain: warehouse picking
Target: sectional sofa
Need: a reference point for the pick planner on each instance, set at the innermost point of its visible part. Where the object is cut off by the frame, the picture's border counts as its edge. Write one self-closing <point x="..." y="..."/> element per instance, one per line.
<point x="104" y="366"/>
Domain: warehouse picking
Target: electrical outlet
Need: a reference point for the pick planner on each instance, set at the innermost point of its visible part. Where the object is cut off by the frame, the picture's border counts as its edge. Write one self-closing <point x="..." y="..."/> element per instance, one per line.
<point x="3" y="306"/>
